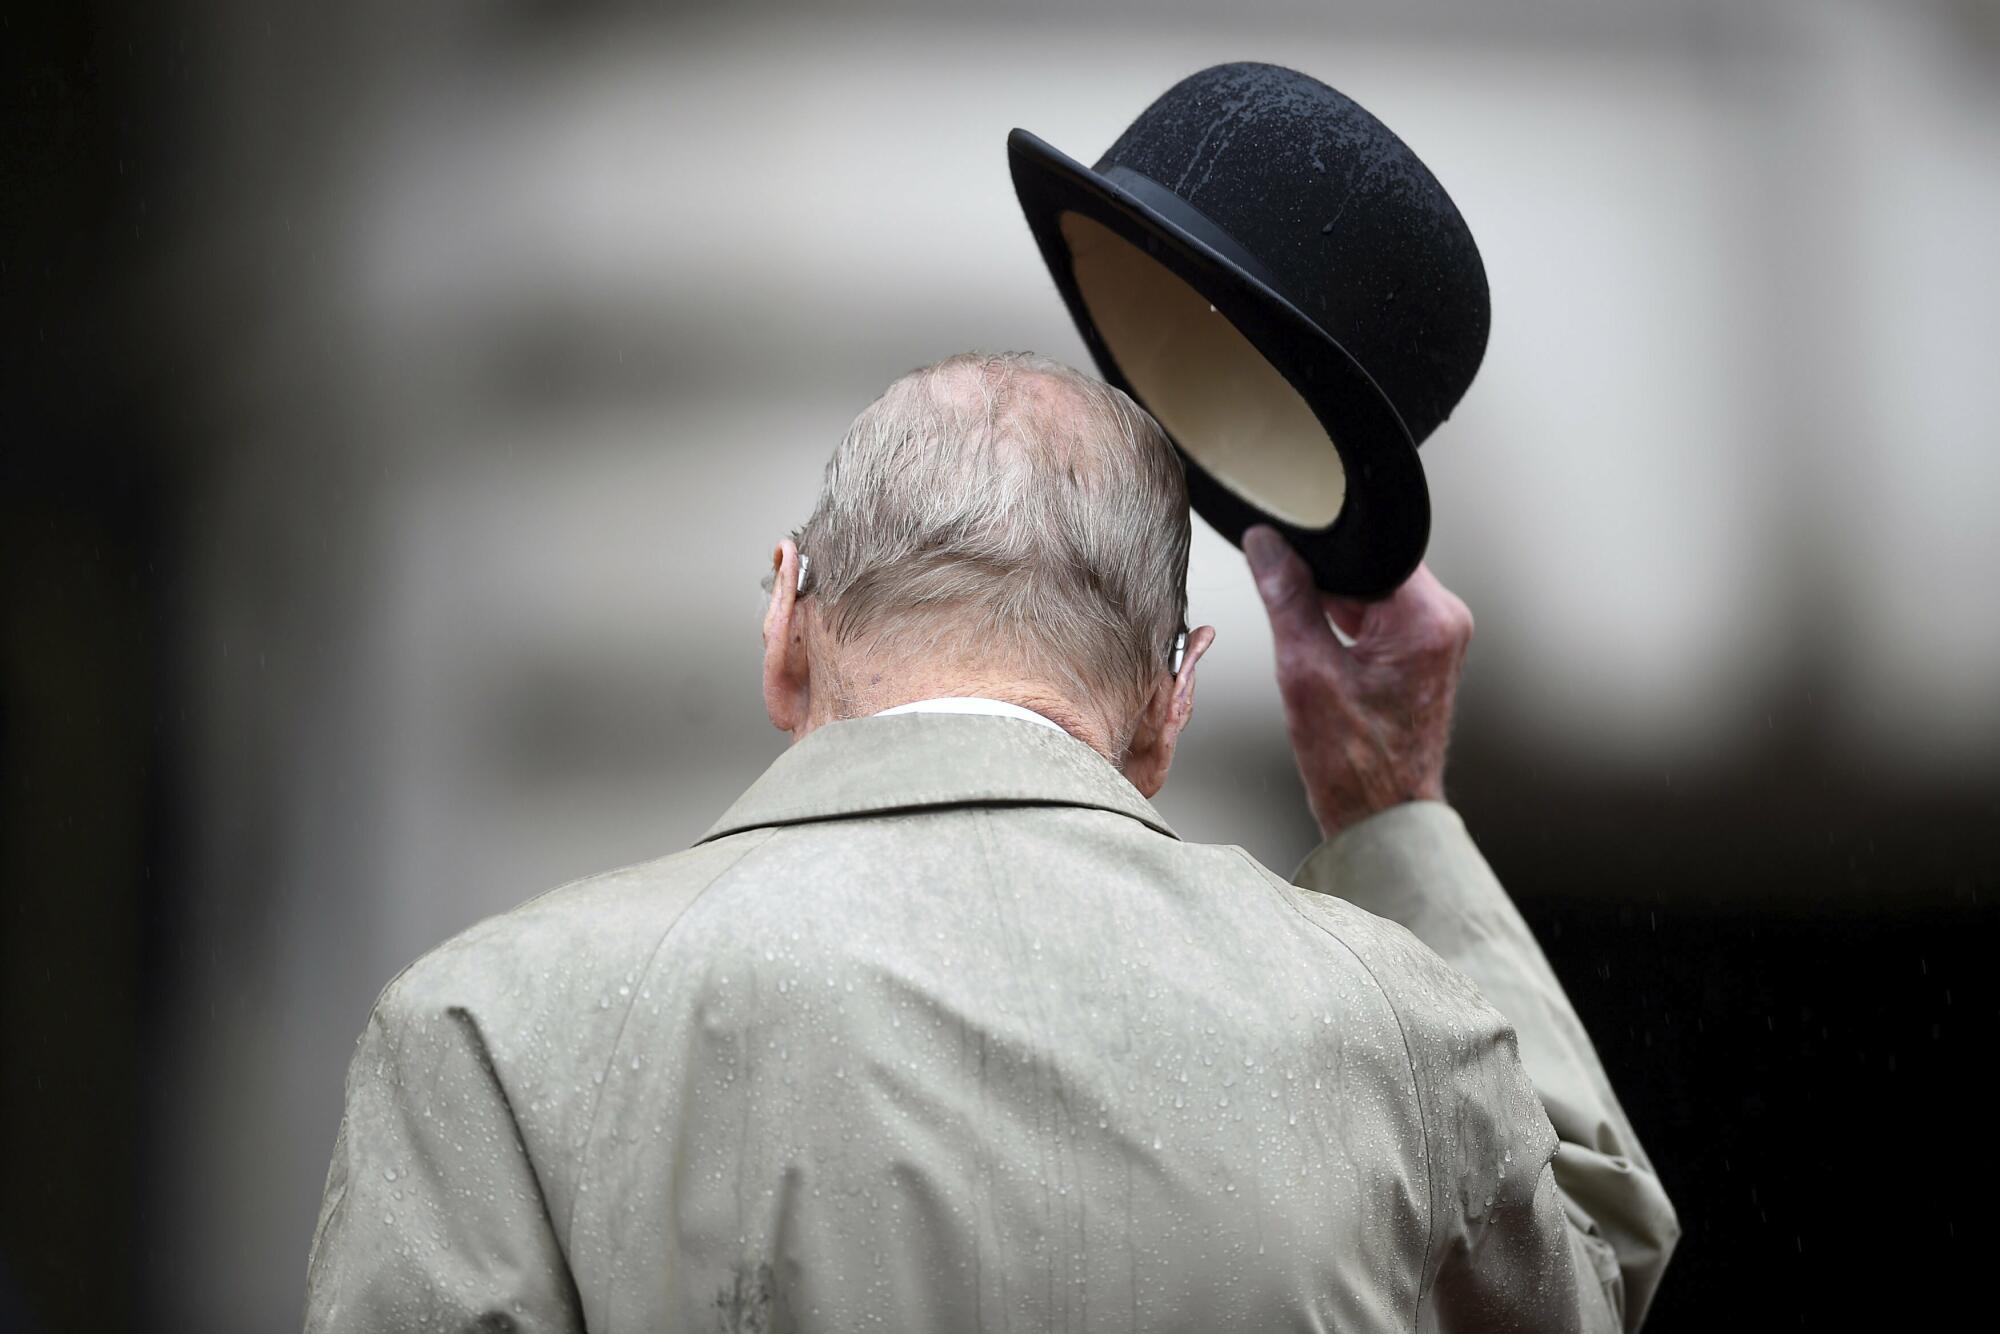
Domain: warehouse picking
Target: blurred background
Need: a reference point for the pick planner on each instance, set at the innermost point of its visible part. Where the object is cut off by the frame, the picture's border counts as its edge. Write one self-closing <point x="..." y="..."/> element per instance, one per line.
<point x="401" y="403"/>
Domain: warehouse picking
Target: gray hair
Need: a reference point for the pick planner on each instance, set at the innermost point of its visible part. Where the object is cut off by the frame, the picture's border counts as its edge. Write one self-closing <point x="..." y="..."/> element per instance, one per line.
<point x="1004" y="508"/>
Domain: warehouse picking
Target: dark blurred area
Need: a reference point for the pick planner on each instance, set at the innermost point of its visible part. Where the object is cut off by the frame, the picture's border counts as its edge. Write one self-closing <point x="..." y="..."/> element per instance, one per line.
<point x="399" y="403"/>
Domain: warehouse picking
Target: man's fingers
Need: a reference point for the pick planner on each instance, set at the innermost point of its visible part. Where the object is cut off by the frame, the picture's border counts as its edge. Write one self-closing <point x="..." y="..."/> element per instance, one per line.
<point x="1346" y="613"/>
<point x="1285" y="583"/>
<point x="1423" y="612"/>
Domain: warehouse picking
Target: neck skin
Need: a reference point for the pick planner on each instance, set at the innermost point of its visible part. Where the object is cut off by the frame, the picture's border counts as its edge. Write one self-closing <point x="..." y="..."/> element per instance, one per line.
<point x="806" y="684"/>
<point x="865" y="688"/>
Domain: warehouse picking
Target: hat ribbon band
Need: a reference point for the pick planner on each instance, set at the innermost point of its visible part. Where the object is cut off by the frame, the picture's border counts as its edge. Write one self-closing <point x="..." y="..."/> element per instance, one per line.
<point x="1191" y="220"/>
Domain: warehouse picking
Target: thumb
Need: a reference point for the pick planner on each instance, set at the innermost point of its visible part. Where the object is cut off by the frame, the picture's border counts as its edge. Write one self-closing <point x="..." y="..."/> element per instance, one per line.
<point x="1291" y="600"/>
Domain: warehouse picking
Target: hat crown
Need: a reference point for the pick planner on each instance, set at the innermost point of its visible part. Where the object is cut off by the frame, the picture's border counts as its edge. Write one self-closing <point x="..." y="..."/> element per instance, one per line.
<point x="1355" y="231"/>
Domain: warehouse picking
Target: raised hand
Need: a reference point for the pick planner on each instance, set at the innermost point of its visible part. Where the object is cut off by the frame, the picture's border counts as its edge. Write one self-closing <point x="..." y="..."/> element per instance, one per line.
<point x="1369" y="721"/>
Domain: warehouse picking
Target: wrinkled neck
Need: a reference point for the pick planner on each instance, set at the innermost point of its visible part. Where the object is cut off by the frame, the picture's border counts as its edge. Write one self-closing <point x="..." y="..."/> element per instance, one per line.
<point x="860" y="689"/>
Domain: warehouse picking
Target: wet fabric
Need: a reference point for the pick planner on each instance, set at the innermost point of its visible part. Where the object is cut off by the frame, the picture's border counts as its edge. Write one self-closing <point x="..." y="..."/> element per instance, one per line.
<point x="941" y="1027"/>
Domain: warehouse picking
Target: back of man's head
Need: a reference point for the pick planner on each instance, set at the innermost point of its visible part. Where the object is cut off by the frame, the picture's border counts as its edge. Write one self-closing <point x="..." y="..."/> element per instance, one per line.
<point x="1004" y="515"/>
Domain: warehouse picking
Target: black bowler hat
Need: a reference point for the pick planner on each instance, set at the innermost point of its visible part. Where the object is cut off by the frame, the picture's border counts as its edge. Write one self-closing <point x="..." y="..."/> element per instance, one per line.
<point x="1279" y="280"/>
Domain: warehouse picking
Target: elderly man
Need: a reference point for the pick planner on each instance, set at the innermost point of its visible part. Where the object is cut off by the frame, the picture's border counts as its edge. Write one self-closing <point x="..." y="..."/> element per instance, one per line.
<point x="940" y="1027"/>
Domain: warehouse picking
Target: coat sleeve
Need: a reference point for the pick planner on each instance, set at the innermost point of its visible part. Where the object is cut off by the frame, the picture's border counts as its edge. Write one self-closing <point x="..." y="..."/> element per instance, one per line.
<point x="1416" y="865"/>
<point x="433" y="1217"/>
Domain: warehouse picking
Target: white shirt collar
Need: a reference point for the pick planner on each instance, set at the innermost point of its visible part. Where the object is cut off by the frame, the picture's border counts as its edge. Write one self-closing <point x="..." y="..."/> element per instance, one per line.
<point x="973" y="704"/>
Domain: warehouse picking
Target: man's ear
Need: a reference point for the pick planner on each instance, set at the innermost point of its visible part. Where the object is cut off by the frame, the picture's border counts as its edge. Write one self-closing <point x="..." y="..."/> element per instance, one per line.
<point x="1151" y="753"/>
<point x="787" y="668"/>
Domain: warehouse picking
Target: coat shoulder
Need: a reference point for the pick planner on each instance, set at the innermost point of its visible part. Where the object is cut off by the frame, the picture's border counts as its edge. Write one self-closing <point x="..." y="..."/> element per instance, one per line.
<point x="599" y="926"/>
<point x="1429" y="995"/>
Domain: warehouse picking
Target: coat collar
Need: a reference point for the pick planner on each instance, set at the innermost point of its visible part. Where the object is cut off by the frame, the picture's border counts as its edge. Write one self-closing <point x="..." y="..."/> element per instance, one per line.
<point x="869" y="766"/>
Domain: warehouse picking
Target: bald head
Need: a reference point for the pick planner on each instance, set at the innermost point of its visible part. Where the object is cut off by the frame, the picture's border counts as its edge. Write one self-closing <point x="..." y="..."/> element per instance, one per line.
<point x="1031" y="411"/>
<point x="1002" y="514"/>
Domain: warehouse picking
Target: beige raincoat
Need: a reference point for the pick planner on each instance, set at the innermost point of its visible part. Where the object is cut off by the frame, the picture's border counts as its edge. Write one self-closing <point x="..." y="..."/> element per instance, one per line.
<point x="940" y="1028"/>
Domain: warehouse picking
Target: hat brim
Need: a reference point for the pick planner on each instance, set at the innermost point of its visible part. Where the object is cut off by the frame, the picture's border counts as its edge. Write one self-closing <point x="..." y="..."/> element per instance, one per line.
<point x="1379" y="535"/>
